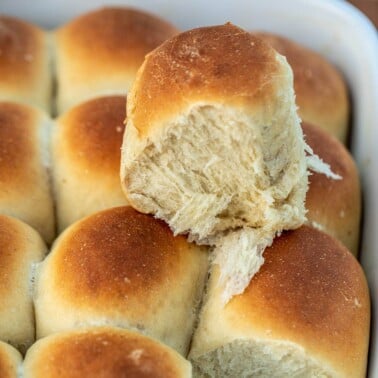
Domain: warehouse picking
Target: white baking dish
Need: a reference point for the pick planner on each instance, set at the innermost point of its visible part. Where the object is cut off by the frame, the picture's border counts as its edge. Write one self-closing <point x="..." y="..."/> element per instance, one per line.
<point x="334" y="28"/>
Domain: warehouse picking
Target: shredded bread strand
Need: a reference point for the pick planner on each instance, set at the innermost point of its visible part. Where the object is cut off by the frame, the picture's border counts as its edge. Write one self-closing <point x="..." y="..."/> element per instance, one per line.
<point x="237" y="269"/>
<point x="316" y="164"/>
<point x="239" y="254"/>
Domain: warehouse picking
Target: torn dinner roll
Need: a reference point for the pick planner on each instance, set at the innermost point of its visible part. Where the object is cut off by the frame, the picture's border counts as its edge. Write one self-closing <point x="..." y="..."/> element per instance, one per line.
<point x="86" y="154"/>
<point x="100" y="52"/>
<point x="26" y="75"/>
<point x="119" y="267"/>
<point x="25" y="190"/>
<point x="103" y="352"/>
<point x="321" y="91"/>
<point x="213" y="145"/>
<point x="21" y="248"/>
<point x="334" y="206"/>
<point x="306" y="313"/>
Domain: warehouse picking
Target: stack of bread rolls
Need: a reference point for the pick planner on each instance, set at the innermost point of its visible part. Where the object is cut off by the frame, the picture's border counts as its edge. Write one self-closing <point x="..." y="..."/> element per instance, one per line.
<point x="170" y="254"/>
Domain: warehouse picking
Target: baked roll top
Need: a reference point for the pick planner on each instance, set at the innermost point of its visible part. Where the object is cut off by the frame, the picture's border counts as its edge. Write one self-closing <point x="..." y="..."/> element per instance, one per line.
<point x="123" y="268"/>
<point x="103" y="352"/>
<point x="86" y="154"/>
<point x="100" y="52"/>
<point x="25" y="67"/>
<point x="25" y="190"/>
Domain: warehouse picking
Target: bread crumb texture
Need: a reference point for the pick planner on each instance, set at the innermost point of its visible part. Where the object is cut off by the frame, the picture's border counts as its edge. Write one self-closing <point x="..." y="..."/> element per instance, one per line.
<point x="222" y="151"/>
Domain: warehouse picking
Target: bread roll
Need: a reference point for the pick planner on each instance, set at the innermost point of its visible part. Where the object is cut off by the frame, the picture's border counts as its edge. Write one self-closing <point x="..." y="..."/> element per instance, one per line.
<point x="334" y="206"/>
<point x="25" y="191"/>
<point x="20" y="248"/>
<point x="10" y="361"/>
<point x="24" y="63"/>
<point x="120" y="267"/>
<point x="86" y="153"/>
<point x="213" y="154"/>
<point x="99" y="52"/>
<point x="304" y="314"/>
<point x="103" y="352"/>
<point x="213" y="145"/>
<point x="321" y="92"/>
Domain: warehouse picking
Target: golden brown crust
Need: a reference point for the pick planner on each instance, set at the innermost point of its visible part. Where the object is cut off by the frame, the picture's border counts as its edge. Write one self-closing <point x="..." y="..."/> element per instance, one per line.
<point x="4" y="365"/>
<point x="313" y="292"/>
<point x="220" y="64"/>
<point x="320" y="89"/>
<point x="11" y="240"/>
<point x="117" y="37"/>
<point x="20" y="248"/>
<point x="9" y="358"/>
<point x="335" y="205"/>
<point x="24" y="182"/>
<point x="17" y="147"/>
<point x="122" y="268"/>
<point x="116" y="254"/>
<point x="6" y="369"/>
<point x="103" y="352"/>
<point x="21" y="46"/>
<point x="91" y="134"/>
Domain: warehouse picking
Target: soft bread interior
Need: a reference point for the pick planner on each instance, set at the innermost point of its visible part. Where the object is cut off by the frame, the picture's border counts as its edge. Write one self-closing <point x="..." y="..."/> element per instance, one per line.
<point x="218" y="170"/>
<point x="214" y="147"/>
<point x="259" y="358"/>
